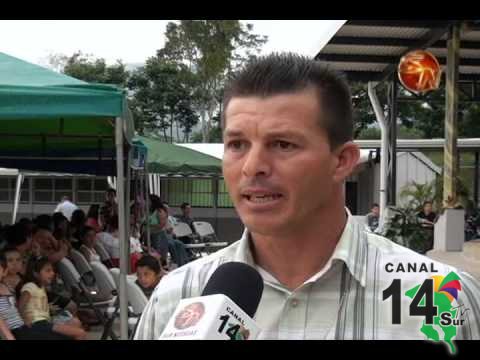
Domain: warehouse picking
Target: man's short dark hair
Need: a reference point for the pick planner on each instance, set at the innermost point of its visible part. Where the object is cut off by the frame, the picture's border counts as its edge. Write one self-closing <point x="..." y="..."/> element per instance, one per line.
<point x="150" y="262"/>
<point x="111" y="191"/>
<point x="374" y="205"/>
<point x="287" y="73"/>
<point x="184" y="205"/>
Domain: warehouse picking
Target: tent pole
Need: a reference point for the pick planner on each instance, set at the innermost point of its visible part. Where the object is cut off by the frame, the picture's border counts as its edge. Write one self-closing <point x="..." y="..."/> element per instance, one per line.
<point x="127" y="207"/>
<point x="215" y="201"/>
<point x="147" y="206"/>
<point x="121" y="229"/>
<point x="16" y="203"/>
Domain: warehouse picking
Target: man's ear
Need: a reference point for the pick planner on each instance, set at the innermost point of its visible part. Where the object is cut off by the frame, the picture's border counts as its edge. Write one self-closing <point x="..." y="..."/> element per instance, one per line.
<point x="348" y="155"/>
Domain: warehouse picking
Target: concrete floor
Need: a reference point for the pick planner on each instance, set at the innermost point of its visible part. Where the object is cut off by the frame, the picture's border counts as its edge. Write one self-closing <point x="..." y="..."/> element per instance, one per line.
<point x="467" y="260"/>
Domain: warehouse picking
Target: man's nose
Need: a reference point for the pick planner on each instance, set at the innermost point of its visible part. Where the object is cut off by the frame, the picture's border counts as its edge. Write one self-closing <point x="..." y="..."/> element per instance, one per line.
<point x="257" y="162"/>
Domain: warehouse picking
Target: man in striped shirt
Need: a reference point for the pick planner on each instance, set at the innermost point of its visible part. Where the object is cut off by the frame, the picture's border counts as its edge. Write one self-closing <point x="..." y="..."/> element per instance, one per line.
<point x="288" y="129"/>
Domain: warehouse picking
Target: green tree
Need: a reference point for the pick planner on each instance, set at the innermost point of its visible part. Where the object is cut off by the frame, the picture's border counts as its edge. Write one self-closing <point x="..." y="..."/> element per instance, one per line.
<point x="211" y="49"/>
<point x="94" y="70"/>
<point x="418" y="116"/>
<point x="162" y="98"/>
<point x="363" y="114"/>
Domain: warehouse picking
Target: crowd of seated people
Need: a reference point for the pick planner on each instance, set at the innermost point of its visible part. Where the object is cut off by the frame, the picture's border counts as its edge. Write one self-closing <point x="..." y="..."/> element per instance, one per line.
<point x="34" y="301"/>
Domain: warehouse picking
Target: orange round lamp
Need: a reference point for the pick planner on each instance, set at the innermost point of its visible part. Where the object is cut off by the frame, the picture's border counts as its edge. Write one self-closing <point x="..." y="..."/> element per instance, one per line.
<point x="419" y="71"/>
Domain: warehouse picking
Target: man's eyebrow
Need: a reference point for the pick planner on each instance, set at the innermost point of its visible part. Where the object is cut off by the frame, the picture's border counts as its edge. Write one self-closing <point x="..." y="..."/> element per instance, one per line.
<point x="285" y="133"/>
<point x="233" y="133"/>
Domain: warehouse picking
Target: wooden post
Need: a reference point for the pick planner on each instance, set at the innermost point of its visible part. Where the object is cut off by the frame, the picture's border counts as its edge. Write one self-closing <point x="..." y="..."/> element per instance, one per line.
<point x="451" y="115"/>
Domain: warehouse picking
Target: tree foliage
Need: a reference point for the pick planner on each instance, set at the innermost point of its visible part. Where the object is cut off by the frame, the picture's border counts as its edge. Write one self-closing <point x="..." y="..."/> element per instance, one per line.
<point x="211" y="49"/>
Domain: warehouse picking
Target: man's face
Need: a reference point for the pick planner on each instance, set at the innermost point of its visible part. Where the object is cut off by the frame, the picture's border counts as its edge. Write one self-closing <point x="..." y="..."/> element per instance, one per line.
<point x="376" y="210"/>
<point x="187" y="210"/>
<point x="110" y="196"/>
<point x="277" y="163"/>
<point x="427" y="208"/>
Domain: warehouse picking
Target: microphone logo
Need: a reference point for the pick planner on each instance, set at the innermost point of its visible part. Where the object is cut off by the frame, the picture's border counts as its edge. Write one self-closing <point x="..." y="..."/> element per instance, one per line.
<point x="189" y="316"/>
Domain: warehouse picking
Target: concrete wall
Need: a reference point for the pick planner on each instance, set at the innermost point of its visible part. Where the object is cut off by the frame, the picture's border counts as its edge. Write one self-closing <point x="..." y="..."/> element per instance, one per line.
<point x="409" y="168"/>
<point x="412" y="168"/>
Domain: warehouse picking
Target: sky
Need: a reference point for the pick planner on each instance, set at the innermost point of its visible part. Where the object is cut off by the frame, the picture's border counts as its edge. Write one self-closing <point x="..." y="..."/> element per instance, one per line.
<point x="133" y="41"/>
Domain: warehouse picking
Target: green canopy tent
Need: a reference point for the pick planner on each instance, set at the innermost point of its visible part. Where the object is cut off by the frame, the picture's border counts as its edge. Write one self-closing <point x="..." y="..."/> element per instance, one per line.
<point x="167" y="159"/>
<point x="52" y="122"/>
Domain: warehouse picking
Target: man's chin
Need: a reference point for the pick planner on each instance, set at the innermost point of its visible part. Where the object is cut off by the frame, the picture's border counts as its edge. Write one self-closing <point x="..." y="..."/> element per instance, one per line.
<point x="265" y="228"/>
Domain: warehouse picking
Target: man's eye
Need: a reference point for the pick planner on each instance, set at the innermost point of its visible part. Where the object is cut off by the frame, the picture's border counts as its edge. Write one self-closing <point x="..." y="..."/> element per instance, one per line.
<point x="284" y="145"/>
<point x="236" y="145"/>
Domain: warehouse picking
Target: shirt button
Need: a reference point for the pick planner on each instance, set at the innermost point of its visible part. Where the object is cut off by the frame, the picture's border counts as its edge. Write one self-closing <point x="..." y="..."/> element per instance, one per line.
<point x="294" y="302"/>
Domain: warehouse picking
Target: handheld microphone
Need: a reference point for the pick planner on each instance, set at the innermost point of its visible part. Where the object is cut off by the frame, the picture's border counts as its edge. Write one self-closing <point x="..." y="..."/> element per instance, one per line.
<point x="225" y="309"/>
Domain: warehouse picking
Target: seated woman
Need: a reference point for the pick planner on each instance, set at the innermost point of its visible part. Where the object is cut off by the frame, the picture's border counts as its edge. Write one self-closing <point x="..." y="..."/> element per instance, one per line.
<point x="93" y="217"/>
<point x="109" y="239"/>
<point x="88" y="239"/>
<point x="77" y="223"/>
<point x="111" y="243"/>
<point x="61" y="230"/>
<point x="161" y="237"/>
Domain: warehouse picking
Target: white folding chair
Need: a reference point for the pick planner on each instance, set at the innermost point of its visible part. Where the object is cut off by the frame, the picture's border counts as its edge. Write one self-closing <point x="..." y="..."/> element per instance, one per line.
<point x="87" y="294"/>
<point x="204" y="230"/>
<point x="182" y="229"/>
<point x="74" y="282"/>
<point x="115" y="275"/>
<point x="103" y="253"/>
<point x="137" y="301"/>
<point x="80" y="262"/>
<point x="105" y="282"/>
<point x="107" y="287"/>
<point x="135" y="297"/>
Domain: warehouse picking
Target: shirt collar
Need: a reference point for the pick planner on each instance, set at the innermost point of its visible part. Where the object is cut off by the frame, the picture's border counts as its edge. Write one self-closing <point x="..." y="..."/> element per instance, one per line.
<point x="351" y="249"/>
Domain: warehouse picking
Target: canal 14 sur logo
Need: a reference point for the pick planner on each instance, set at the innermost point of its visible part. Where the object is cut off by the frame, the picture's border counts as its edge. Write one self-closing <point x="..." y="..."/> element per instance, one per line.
<point x="434" y="299"/>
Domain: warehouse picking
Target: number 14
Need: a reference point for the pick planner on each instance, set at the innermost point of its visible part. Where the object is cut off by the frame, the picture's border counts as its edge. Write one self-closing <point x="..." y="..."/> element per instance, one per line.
<point x="425" y="291"/>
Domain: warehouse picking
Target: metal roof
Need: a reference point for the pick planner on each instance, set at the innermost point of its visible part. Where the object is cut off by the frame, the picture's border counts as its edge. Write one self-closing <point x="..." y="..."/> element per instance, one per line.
<point x="418" y="144"/>
<point x="370" y="50"/>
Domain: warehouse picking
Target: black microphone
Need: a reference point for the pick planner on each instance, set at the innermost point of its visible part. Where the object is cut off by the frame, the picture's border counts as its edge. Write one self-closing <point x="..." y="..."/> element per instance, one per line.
<point x="240" y="282"/>
<point x="225" y="309"/>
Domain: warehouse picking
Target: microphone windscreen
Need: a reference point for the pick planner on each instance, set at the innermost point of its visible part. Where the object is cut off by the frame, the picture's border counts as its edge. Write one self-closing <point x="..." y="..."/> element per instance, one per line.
<point x="240" y="282"/>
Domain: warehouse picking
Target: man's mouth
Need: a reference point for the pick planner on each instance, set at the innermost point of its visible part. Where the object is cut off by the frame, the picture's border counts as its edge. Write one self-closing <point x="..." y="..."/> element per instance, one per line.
<point x="262" y="198"/>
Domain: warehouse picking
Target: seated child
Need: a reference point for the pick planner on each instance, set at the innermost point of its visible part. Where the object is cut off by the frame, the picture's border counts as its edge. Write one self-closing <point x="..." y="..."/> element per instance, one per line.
<point x="12" y="325"/>
<point x="149" y="274"/>
<point x="33" y="304"/>
<point x="15" y="268"/>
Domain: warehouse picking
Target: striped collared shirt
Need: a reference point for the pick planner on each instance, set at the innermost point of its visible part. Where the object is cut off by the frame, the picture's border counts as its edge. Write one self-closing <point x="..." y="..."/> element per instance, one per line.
<point x="342" y="301"/>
